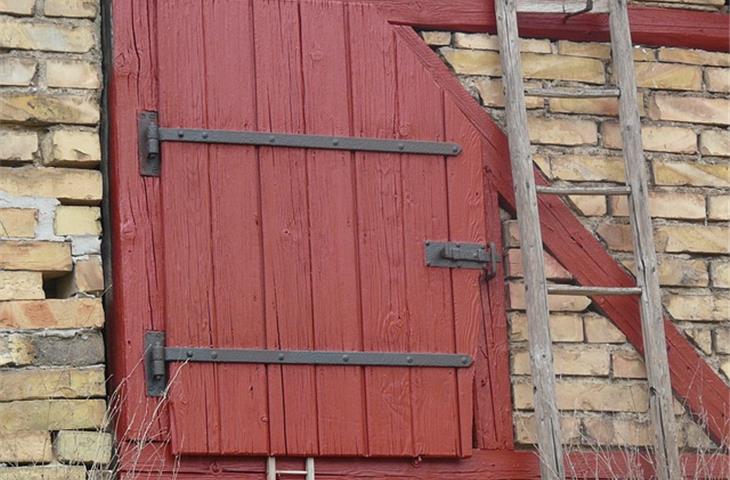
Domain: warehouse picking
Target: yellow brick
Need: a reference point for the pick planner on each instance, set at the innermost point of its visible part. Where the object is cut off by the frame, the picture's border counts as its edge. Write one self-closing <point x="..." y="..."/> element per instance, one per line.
<point x="18" y="145"/>
<point x="717" y="79"/>
<point x="690" y="173"/>
<point x="690" y="109"/>
<point x="568" y="361"/>
<point x="71" y="74"/>
<point x="46" y="36"/>
<point x="601" y="330"/>
<point x="702" y="337"/>
<point x="16" y="71"/>
<point x="436" y="39"/>
<point x="86" y="447"/>
<point x="557" y="303"/>
<point x="16" y="351"/>
<point x="559" y="67"/>
<point x="589" y="205"/>
<point x="21" y="285"/>
<point x="618" y="237"/>
<point x="51" y="383"/>
<point x="702" y="308"/>
<point x="26" y="447"/>
<point x="47" y="108"/>
<point x="78" y="186"/>
<point x="18" y="222"/>
<point x="715" y="142"/>
<point x="666" y="205"/>
<point x="77" y="220"/>
<point x="668" y="76"/>
<point x="87" y="277"/>
<point x="563" y="327"/>
<point x="720" y="271"/>
<point x="692" y="238"/>
<point x="72" y="148"/>
<point x="584" y="49"/>
<point x="35" y="256"/>
<point x="492" y="94"/>
<point x="592" y="106"/>
<point x="725" y="367"/>
<point x="679" y="271"/>
<point x="596" y="168"/>
<point x="70" y="8"/>
<point x="590" y="396"/>
<point x="655" y="138"/>
<point x="695" y="57"/>
<point x="525" y="429"/>
<point x="472" y="62"/>
<point x="628" y="364"/>
<point x="560" y="131"/>
<point x="49" y="472"/>
<point x="618" y="431"/>
<point x="722" y="340"/>
<point x="482" y="41"/>
<point x="718" y="207"/>
<point x="553" y="269"/>
<point x="17" y="7"/>
<point x="71" y="313"/>
<point x="37" y="415"/>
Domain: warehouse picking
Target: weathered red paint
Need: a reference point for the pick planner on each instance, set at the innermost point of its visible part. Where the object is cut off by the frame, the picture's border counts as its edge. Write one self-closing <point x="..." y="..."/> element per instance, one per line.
<point x="149" y="278"/>
<point x="666" y="27"/>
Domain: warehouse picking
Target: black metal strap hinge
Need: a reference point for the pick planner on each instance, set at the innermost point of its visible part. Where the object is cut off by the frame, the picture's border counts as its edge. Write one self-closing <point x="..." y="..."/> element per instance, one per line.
<point x="150" y="136"/>
<point x="157" y="355"/>
<point x="462" y="255"/>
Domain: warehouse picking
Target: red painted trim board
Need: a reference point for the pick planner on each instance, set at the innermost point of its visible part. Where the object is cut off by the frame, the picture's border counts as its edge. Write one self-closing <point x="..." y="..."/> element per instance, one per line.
<point x="649" y="26"/>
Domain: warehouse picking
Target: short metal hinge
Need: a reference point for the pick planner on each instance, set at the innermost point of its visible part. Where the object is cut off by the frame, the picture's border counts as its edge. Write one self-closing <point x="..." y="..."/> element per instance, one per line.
<point x="157" y="355"/>
<point x="462" y="255"/>
<point x="151" y="134"/>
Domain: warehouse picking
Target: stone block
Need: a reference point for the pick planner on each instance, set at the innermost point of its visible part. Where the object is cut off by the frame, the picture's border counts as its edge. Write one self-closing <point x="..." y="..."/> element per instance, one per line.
<point x="72" y="148"/>
<point x="41" y="415"/>
<point x="666" y="205"/>
<point x="654" y="138"/>
<point x="718" y="207"/>
<point x="722" y="340"/>
<point x="618" y="431"/>
<point x="70" y="8"/>
<point x="668" y="76"/>
<point x="26" y="447"/>
<point x="21" y="285"/>
<point x="17" y="7"/>
<point x="568" y="361"/>
<point x="436" y="39"/>
<point x="52" y="313"/>
<point x="618" y="236"/>
<point x="49" y="257"/>
<point x="702" y="338"/>
<point x="74" y="220"/>
<point x="18" y="145"/>
<point x="557" y="303"/>
<point x="590" y="396"/>
<point x="715" y="142"/>
<point x="45" y="108"/>
<point x="561" y="131"/>
<point x="563" y="327"/>
<point x="695" y="174"/>
<point x="717" y="79"/>
<point x="66" y="184"/>
<point x="472" y="62"/>
<point x="678" y="271"/>
<point x="600" y="329"/>
<point x="589" y="205"/>
<point x="553" y="269"/>
<point x="588" y="168"/>
<point x="720" y="271"/>
<point x="525" y="429"/>
<point x="87" y="277"/>
<point x="72" y="74"/>
<point x="694" y="57"/>
<point x="698" y="307"/>
<point x="84" y="447"/>
<point x="491" y="92"/>
<point x="48" y="472"/>
<point x="692" y="239"/>
<point x="76" y="349"/>
<point x="16" y="71"/>
<point x="32" y="384"/>
<point x="627" y="364"/>
<point x="712" y="111"/>
<point x="18" y="222"/>
<point x="46" y="36"/>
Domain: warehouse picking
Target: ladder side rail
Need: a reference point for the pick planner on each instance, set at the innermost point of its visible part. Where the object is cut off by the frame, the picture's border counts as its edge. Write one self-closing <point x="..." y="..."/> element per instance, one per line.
<point x="652" y="322"/>
<point x="540" y="344"/>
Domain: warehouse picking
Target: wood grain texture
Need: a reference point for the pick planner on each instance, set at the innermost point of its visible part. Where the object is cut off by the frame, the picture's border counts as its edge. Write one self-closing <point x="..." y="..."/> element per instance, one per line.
<point x="649" y="25"/>
<point x="693" y="381"/>
<point x="286" y="229"/>
<point x="333" y="227"/>
<point x="650" y="301"/>
<point x="531" y="245"/>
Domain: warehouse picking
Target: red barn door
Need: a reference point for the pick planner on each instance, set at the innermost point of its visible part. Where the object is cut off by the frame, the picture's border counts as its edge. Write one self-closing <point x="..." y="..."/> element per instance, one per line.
<point x="308" y="249"/>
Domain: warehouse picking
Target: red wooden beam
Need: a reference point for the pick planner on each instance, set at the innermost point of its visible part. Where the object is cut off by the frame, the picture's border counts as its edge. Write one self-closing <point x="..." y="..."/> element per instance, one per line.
<point x="153" y="459"/>
<point x="649" y="26"/>
<point x="706" y="395"/>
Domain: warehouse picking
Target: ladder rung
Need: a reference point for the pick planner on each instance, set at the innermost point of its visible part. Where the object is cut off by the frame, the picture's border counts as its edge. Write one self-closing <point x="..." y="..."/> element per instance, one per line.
<point x="590" y="291"/>
<point x="292" y="472"/>
<point x="564" y="6"/>
<point x="622" y="190"/>
<point x="573" y="92"/>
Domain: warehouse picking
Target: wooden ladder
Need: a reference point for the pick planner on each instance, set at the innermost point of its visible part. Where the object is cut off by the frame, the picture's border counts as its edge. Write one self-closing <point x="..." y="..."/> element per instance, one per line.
<point x="536" y="287"/>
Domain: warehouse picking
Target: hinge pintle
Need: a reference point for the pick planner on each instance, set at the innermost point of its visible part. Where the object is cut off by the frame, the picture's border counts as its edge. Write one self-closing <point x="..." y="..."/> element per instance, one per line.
<point x="154" y="363"/>
<point x="149" y="144"/>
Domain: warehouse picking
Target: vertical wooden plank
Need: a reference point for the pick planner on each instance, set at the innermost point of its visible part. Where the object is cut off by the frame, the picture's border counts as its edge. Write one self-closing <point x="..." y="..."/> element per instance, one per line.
<point x="428" y="290"/>
<point x="235" y="226"/>
<point x="467" y="216"/>
<point x="652" y="321"/>
<point x="333" y="228"/>
<point x="186" y="196"/>
<point x="285" y="217"/>
<point x="380" y="231"/>
<point x="541" y="358"/>
<point x="136" y="207"/>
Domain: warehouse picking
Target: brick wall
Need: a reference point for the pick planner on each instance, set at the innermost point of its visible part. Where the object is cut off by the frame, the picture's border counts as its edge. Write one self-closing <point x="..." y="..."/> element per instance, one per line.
<point x="52" y="380"/>
<point x="685" y="105"/>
